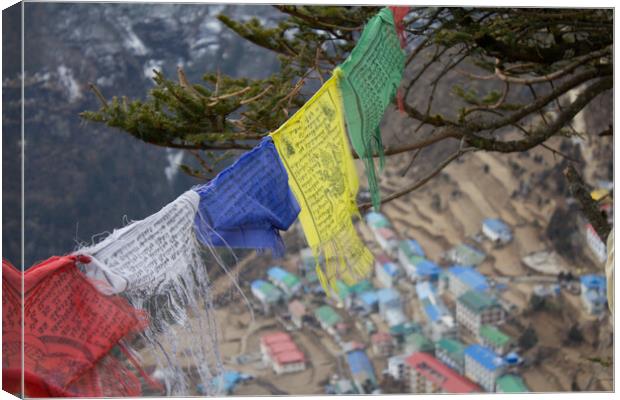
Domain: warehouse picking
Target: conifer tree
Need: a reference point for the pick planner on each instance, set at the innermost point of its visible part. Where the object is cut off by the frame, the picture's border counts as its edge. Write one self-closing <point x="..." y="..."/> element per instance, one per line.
<point x="509" y="71"/>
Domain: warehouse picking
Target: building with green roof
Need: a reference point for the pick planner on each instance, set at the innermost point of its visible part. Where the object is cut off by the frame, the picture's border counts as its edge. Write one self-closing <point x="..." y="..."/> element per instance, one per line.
<point x="464" y="254"/>
<point x="450" y="352"/>
<point x="494" y="338"/>
<point x="328" y="318"/>
<point x="418" y="342"/>
<point x="510" y="384"/>
<point x="473" y="309"/>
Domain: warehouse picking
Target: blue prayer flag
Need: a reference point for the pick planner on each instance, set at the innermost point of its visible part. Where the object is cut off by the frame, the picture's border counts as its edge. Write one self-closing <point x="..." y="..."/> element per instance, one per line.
<point x="247" y="204"/>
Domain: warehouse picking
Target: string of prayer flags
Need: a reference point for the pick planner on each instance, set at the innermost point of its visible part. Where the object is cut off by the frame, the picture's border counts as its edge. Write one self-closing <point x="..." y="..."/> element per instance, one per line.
<point x="157" y="264"/>
<point x="314" y="149"/>
<point x="370" y="79"/>
<point x="69" y="331"/>
<point x="248" y="203"/>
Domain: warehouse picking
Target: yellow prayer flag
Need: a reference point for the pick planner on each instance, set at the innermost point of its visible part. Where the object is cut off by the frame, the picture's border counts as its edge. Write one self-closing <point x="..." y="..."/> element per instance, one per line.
<point x="315" y="151"/>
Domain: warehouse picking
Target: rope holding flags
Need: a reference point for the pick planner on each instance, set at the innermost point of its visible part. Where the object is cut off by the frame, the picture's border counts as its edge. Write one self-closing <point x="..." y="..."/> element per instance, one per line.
<point x="316" y="154"/>
<point x="370" y="79"/>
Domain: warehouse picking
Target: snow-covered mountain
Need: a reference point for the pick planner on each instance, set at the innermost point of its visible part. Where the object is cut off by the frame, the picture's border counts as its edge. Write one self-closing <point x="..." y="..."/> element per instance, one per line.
<point x="82" y="178"/>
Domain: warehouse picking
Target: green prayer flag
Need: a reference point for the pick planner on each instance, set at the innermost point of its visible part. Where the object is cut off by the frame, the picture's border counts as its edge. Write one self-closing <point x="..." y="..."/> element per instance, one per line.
<point x="370" y="77"/>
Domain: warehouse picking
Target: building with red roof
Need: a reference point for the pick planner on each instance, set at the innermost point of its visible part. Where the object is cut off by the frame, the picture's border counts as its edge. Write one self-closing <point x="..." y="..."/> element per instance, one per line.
<point x="426" y="374"/>
<point x="279" y="350"/>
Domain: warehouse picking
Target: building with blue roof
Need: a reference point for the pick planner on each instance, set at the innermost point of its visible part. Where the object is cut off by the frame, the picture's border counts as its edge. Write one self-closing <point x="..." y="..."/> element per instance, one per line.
<point x="377" y="220"/>
<point x="289" y="283"/>
<point x="368" y="301"/>
<point x="483" y="366"/>
<point x="496" y="230"/>
<point x="387" y="273"/>
<point x="388" y="298"/>
<point x="459" y="279"/>
<point x="440" y="321"/>
<point x="594" y="293"/>
<point x="266" y="293"/>
<point x="427" y="270"/>
<point x="362" y="371"/>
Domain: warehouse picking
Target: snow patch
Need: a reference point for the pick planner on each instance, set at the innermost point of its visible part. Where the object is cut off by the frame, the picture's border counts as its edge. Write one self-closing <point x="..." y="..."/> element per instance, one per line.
<point x="175" y="158"/>
<point x="133" y="43"/>
<point x="66" y="79"/>
<point x="150" y="65"/>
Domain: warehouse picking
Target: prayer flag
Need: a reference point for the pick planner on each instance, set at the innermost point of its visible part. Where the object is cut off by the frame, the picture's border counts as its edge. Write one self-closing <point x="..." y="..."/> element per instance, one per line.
<point x="314" y="149"/>
<point x="247" y="204"/>
<point x="157" y="264"/>
<point x="370" y="79"/>
<point x="69" y="330"/>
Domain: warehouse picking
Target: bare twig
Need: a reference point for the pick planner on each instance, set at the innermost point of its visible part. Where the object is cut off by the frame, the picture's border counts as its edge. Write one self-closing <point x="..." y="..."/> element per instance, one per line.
<point x="590" y="208"/>
<point x="365" y="206"/>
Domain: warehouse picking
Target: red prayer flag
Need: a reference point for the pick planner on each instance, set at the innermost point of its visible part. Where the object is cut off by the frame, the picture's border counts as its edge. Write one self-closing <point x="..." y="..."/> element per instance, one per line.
<point x="399" y="13"/>
<point x="69" y="330"/>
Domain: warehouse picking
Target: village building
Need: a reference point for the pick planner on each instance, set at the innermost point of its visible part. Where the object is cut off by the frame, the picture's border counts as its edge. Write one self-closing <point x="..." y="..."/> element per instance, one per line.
<point x="298" y="312"/>
<point x="401" y="331"/>
<point x="510" y="384"/>
<point x="496" y="230"/>
<point x="387" y="239"/>
<point x="464" y="254"/>
<point x="328" y="319"/>
<point x="408" y="248"/>
<point x="595" y="244"/>
<point x="342" y="296"/>
<point x="494" y="338"/>
<point x="418" y="342"/>
<point x="307" y="268"/>
<point x="279" y="350"/>
<point x="377" y="220"/>
<point x="396" y="367"/>
<point x="367" y="301"/>
<point x="459" y="279"/>
<point x="394" y="317"/>
<point x="593" y="293"/>
<point x="362" y="371"/>
<point x="440" y="321"/>
<point x="343" y="386"/>
<point x="382" y="344"/>
<point x="387" y="273"/>
<point x="483" y="366"/>
<point x="388" y="298"/>
<point x="420" y="269"/>
<point x="267" y="294"/>
<point x="473" y="309"/>
<point x="284" y="280"/>
<point x="426" y="374"/>
<point x="451" y="352"/>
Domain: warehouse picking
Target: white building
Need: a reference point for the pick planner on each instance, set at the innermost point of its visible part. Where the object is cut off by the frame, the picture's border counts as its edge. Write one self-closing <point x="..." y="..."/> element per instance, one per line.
<point x="279" y="350"/>
<point x="459" y="279"/>
<point x="474" y="309"/>
<point x="496" y="230"/>
<point x="396" y="367"/>
<point x="483" y="366"/>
